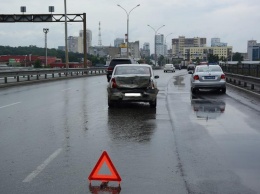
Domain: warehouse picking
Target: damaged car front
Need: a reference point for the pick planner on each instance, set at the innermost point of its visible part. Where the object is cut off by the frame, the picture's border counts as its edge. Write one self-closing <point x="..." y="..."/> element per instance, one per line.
<point x="133" y="83"/>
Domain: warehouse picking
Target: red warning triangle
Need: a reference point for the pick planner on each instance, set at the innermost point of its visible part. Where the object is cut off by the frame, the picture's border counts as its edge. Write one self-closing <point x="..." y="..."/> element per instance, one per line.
<point x="104" y="159"/>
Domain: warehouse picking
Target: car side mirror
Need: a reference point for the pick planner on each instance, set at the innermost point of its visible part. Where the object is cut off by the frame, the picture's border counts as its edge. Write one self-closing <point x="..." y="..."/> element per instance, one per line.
<point x="156" y="76"/>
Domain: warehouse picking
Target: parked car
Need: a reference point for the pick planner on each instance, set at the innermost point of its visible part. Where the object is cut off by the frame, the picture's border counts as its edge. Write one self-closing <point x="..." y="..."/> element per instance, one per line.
<point x="168" y="67"/>
<point x="133" y="83"/>
<point x="115" y="62"/>
<point x="208" y="77"/>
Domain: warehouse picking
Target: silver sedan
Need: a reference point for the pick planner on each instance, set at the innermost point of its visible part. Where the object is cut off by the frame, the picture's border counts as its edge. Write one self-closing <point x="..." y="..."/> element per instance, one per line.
<point x="208" y="77"/>
<point x="133" y="83"/>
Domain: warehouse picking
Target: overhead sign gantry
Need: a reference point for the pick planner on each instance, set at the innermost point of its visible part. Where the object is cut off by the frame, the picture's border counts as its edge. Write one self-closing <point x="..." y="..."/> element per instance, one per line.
<point x="13" y="18"/>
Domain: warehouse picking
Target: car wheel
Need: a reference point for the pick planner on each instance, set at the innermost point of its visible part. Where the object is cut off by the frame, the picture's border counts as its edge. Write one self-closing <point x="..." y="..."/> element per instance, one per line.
<point x="194" y="90"/>
<point x="110" y="103"/>
<point x="153" y="104"/>
<point x="223" y="90"/>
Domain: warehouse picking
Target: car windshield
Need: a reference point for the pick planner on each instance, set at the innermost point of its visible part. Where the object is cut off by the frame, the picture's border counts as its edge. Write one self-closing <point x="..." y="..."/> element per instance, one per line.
<point x="124" y="70"/>
<point x="209" y="68"/>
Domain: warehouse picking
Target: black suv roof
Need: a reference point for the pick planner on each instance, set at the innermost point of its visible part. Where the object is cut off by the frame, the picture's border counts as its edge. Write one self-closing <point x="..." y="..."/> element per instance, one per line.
<point x="116" y="61"/>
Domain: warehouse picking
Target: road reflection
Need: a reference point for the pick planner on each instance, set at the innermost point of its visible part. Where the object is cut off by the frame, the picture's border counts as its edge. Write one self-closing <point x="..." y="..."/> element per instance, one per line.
<point x="207" y="108"/>
<point x="132" y="122"/>
<point x="179" y="81"/>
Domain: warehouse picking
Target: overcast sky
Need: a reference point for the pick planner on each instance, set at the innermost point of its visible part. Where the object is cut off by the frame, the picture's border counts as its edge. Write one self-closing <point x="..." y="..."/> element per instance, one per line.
<point x="233" y="21"/>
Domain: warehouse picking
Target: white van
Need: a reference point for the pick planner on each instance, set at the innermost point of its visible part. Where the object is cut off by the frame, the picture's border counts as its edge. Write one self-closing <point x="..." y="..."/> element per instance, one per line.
<point x="169" y="67"/>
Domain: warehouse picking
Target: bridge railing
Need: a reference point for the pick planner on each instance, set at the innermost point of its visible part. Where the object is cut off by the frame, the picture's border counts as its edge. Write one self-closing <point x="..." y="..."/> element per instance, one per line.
<point x="14" y="76"/>
<point x="251" y="68"/>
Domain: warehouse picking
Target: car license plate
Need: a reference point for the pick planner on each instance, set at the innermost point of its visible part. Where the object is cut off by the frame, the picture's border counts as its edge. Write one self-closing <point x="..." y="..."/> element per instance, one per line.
<point x="209" y="77"/>
<point x="132" y="94"/>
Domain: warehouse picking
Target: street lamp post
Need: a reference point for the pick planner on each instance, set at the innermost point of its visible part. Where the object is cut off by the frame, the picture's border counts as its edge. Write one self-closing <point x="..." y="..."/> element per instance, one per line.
<point x="45" y="30"/>
<point x="66" y="36"/>
<point x="127" y="14"/>
<point x="155" y="32"/>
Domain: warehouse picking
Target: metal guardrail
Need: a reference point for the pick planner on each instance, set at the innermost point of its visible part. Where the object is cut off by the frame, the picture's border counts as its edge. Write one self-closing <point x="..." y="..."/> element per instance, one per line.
<point x="243" y="68"/>
<point x="250" y="82"/>
<point x="7" y="76"/>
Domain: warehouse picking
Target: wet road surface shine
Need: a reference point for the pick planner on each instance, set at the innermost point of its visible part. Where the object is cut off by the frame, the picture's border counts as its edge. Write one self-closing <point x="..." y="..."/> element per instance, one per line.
<point x="170" y="149"/>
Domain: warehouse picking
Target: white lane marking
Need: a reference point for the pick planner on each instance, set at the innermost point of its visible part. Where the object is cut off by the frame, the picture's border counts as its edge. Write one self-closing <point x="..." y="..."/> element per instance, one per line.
<point x="10" y="104"/>
<point x="66" y="89"/>
<point x="40" y="168"/>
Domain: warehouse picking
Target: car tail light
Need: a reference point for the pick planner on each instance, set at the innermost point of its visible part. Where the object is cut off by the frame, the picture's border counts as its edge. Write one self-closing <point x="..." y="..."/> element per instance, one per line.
<point x="196" y="77"/>
<point x="223" y="76"/>
<point x="151" y="85"/>
<point x="113" y="80"/>
<point x="109" y="69"/>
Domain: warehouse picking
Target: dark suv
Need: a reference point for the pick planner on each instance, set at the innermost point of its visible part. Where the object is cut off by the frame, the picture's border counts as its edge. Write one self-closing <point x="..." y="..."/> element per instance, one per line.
<point x="115" y="62"/>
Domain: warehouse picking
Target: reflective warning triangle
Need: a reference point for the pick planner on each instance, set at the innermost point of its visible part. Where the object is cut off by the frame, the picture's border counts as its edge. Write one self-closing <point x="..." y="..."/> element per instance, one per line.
<point x="104" y="159"/>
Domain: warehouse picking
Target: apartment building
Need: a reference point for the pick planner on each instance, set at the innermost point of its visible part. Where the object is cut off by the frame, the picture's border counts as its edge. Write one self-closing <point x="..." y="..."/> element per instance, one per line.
<point x="253" y="50"/>
<point x="216" y="42"/>
<point x="191" y="53"/>
<point x="178" y="44"/>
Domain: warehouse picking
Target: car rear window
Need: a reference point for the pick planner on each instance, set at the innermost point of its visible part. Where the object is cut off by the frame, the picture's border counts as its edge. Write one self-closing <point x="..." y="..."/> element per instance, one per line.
<point x="113" y="63"/>
<point x="209" y="68"/>
<point x="124" y="70"/>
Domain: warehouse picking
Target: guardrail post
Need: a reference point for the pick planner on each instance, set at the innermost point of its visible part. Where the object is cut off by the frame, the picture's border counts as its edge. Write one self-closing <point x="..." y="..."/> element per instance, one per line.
<point x="77" y="73"/>
<point x="17" y="78"/>
<point x="71" y="73"/>
<point x="52" y="75"/>
<point x="59" y="74"/>
<point x="245" y="84"/>
<point x="5" y="79"/>
<point x="28" y="77"/>
<point x="252" y="86"/>
<point x="37" y="76"/>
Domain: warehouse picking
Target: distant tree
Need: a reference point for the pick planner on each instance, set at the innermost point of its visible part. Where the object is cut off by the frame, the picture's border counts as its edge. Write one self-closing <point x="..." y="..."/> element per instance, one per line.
<point x="237" y="57"/>
<point x="213" y="58"/>
<point x="161" y="60"/>
<point x="37" y="64"/>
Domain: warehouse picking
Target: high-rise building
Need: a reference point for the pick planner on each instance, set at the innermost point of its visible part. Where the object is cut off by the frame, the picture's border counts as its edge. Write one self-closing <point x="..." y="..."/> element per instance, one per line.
<point x="134" y="50"/>
<point x="159" y="44"/>
<point x="178" y="44"/>
<point x="81" y="38"/>
<point x="73" y="44"/>
<point x="253" y="50"/>
<point x="145" y="52"/>
<point x="216" y="42"/>
<point x="118" y="42"/>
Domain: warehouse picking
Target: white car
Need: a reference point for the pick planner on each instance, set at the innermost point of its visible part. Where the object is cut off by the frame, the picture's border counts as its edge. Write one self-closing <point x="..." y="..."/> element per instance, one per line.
<point x="208" y="77"/>
<point x="169" y="67"/>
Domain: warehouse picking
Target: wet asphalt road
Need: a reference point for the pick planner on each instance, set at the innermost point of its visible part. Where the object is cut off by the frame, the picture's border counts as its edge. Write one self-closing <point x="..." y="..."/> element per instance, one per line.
<point x="52" y="134"/>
